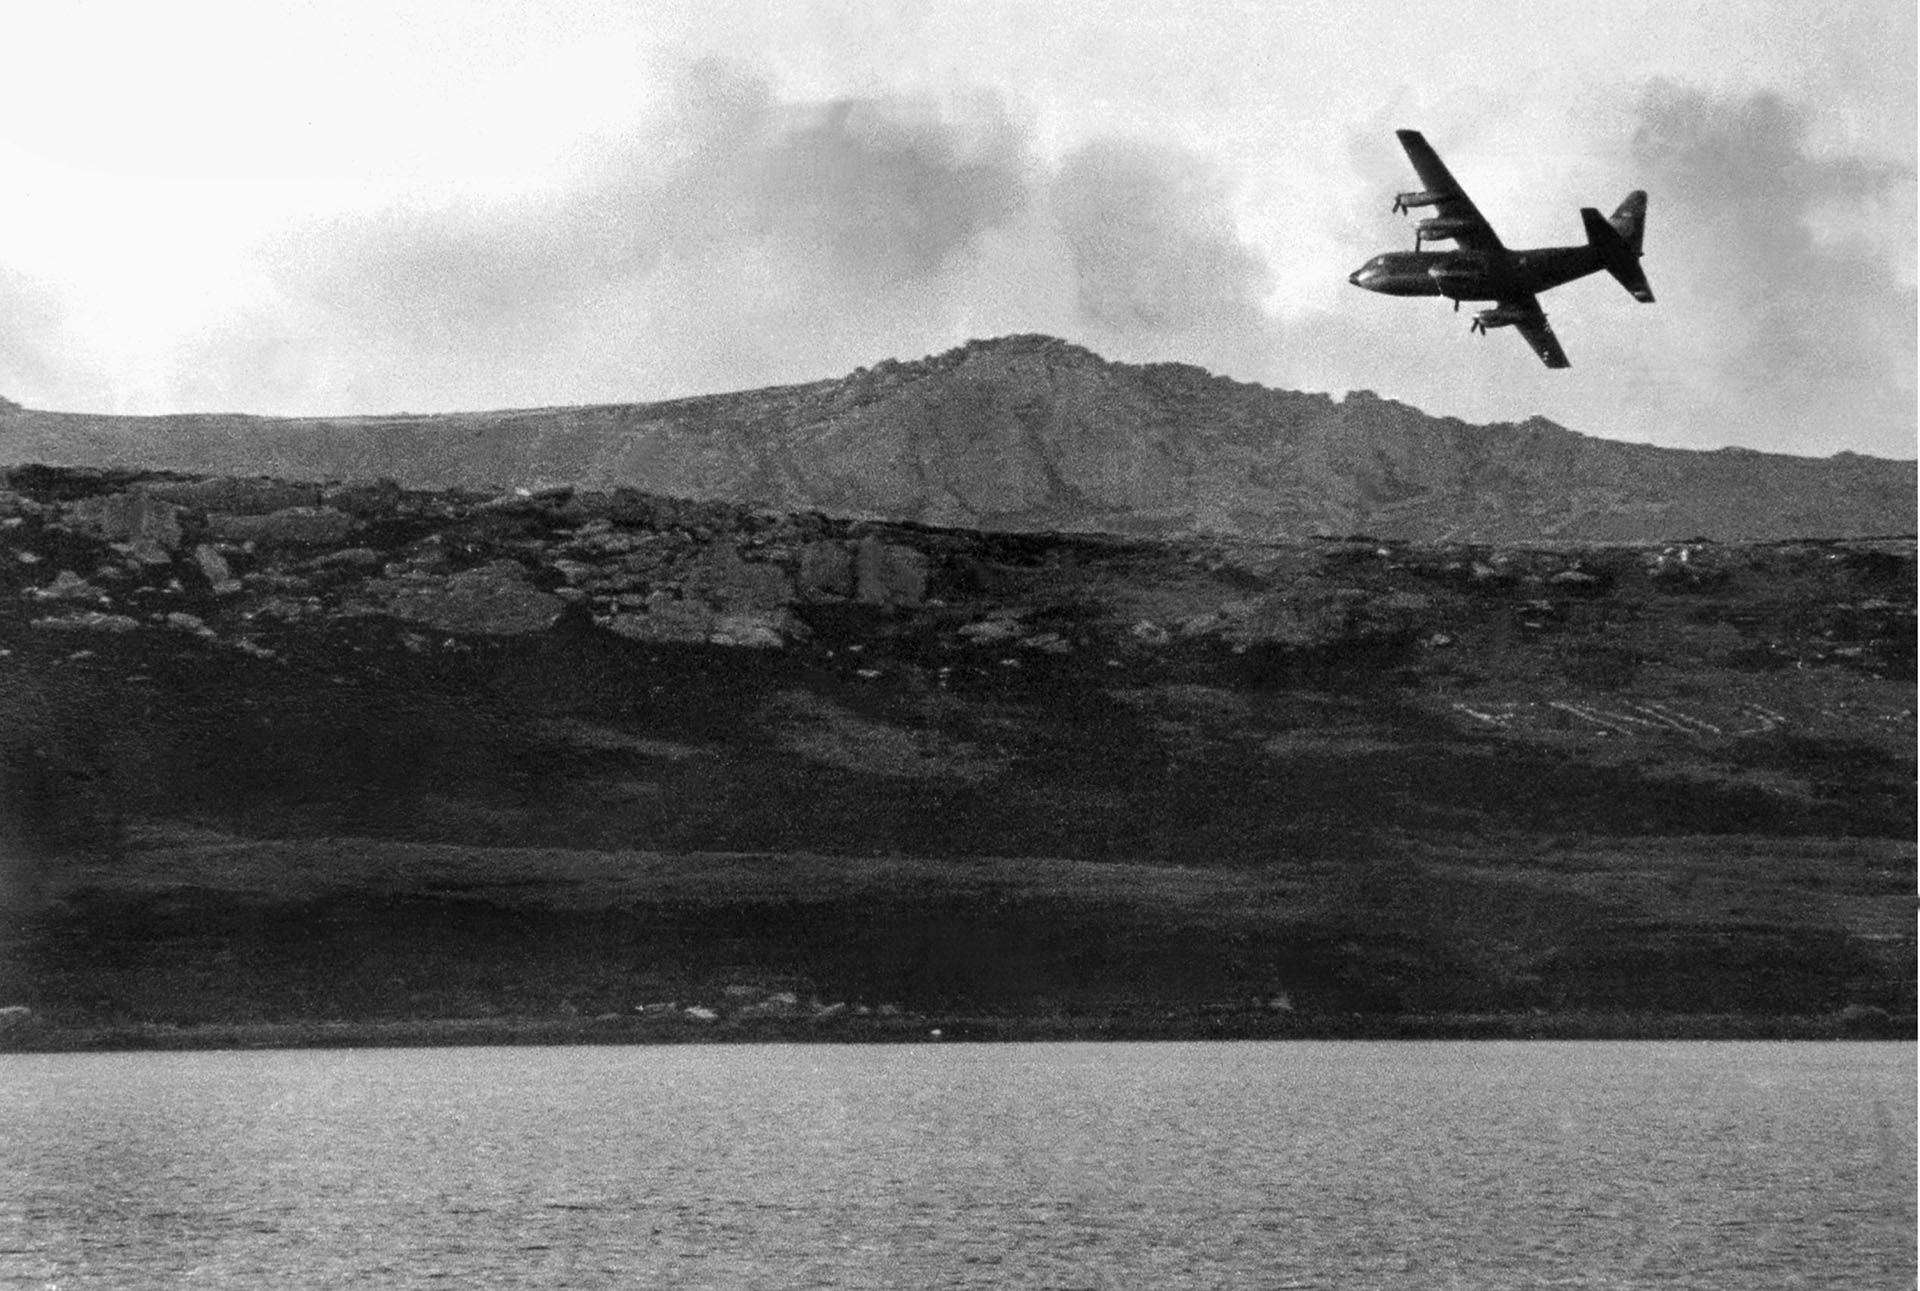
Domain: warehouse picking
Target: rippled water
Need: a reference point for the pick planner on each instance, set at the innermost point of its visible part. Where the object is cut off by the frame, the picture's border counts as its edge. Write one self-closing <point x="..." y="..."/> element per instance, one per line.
<point x="1154" y="1166"/>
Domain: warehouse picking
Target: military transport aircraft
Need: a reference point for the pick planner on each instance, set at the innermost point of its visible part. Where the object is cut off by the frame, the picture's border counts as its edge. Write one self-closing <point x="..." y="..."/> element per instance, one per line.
<point x="1482" y="269"/>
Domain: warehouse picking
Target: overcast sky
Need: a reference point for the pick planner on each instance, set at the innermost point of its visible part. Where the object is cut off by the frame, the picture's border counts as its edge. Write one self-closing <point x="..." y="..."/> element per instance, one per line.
<point x="343" y="208"/>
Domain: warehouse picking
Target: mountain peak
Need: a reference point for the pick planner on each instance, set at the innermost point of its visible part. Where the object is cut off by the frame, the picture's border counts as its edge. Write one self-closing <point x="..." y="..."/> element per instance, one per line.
<point x="1052" y="350"/>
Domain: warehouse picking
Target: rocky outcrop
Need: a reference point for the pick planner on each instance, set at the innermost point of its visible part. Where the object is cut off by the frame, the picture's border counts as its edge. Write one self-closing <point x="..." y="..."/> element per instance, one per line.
<point x="68" y="586"/>
<point x="660" y="572"/>
<point x="886" y="574"/>
<point x="288" y="527"/>
<point x="1030" y="433"/>
<point x="88" y="621"/>
<point x="148" y="526"/>
<point x="213" y="566"/>
<point x="826" y="571"/>
<point x="496" y="599"/>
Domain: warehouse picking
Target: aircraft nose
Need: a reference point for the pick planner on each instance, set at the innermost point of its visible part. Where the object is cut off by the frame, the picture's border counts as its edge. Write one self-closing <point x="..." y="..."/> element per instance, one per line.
<point x="1354" y="277"/>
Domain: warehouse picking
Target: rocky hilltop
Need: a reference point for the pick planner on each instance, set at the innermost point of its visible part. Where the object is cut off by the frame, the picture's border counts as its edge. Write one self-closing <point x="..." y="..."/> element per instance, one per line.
<point x="1033" y="433"/>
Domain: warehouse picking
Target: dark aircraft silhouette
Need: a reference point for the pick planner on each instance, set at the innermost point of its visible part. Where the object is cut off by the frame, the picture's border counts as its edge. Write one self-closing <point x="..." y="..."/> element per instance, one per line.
<point x="1482" y="269"/>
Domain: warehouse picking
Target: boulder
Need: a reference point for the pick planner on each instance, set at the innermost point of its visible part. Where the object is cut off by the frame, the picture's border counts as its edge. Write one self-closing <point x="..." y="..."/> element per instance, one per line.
<point x="493" y="600"/>
<point x="887" y="574"/>
<point x="16" y="505"/>
<point x="1047" y="643"/>
<point x="990" y="631"/>
<point x="291" y="527"/>
<point x="347" y="558"/>
<point x="1150" y="633"/>
<point x="667" y="619"/>
<point x="364" y="499"/>
<point x="148" y="525"/>
<point x="1575" y="580"/>
<point x="757" y="630"/>
<point x="68" y="586"/>
<point x="89" y="621"/>
<point x="219" y="574"/>
<point x="574" y="571"/>
<point x="1196" y="625"/>
<point x="826" y="570"/>
<point x="718" y="574"/>
<point x="181" y="622"/>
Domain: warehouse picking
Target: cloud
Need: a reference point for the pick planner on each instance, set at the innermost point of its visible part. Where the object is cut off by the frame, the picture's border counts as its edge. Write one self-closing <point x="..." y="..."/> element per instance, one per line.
<point x="1794" y="264"/>
<point x="29" y="317"/>
<point x="727" y="240"/>
<point x="1152" y="245"/>
<point x="738" y="238"/>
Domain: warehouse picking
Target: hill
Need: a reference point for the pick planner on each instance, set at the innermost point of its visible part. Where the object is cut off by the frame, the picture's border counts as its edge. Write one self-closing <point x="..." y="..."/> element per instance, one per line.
<point x="282" y="761"/>
<point x="1028" y="433"/>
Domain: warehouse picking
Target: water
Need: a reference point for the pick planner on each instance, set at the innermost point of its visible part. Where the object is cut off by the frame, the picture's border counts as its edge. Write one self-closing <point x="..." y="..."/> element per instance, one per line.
<point x="1072" y="1166"/>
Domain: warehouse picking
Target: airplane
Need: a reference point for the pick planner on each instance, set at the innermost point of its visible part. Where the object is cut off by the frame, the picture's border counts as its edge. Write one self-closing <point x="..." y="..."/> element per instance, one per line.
<point x="1480" y="268"/>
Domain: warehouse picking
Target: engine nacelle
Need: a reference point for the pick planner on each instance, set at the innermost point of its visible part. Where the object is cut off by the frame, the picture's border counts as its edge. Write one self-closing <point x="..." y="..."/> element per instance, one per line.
<point x="1440" y="226"/>
<point x="1498" y="317"/>
<point x="1407" y="201"/>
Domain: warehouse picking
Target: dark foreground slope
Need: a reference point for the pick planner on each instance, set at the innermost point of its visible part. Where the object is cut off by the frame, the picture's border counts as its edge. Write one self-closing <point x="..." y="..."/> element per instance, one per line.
<point x="279" y="762"/>
<point x="1030" y="433"/>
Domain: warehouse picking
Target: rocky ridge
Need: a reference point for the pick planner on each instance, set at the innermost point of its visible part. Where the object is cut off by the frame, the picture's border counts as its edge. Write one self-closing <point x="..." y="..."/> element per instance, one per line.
<point x="643" y="567"/>
<point x="1033" y="433"/>
<point x="111" y="551"/>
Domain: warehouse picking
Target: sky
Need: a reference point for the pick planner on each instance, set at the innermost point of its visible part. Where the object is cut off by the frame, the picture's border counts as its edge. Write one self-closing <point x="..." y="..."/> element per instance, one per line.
<point x="345" y="207"/>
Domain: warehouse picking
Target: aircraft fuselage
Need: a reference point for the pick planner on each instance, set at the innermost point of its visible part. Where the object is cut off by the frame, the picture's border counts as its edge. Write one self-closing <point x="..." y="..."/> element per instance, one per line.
<point x="1480" y="267"/>
<point x="1474" y="275"/>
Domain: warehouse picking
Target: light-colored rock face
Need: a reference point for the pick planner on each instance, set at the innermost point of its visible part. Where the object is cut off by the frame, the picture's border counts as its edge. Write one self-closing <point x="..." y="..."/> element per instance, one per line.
<point x="719" y="574"/>
<point x="213" y="566"/>
<point x="87" y="621"/>
<point x="665" y="620"/>
<point x="493" y="600"/>
<point x="290" y="527"/>
<point x="149" y="526"/>
<point x="885" y="574"/>
<point x="68" y="586"/>
<point x="826" y="570"/>
<point x="1029" y="433"/>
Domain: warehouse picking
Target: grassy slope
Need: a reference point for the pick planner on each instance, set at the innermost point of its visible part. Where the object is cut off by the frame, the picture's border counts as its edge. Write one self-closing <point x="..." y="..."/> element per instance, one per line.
<point x="1442" y="803"/>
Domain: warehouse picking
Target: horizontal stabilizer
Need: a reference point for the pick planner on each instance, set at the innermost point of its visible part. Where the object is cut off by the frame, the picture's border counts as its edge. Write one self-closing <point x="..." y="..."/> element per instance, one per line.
<point x="1616" y="254"/>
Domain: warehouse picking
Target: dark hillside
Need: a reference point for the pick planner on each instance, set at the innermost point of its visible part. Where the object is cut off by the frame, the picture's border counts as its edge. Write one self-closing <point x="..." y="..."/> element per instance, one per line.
<point x="277" y="754"/>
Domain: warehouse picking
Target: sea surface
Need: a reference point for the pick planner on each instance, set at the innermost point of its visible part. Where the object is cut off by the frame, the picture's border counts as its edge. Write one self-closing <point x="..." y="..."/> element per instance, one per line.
<point x="1258" y="1165"/>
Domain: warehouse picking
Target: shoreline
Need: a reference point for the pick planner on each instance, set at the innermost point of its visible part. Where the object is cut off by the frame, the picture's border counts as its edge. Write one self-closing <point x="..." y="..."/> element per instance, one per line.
<point x="40" y="1037"/>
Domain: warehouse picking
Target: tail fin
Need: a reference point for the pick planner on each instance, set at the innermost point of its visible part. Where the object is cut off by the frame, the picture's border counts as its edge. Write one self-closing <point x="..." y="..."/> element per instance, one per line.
<point x="1618" y="242"/>
<point x="1630" y="219"/>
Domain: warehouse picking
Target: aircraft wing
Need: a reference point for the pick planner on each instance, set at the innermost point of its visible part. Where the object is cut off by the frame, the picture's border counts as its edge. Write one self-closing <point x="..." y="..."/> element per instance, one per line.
<point x="1454" y="202"/>
<point x="1539" y="335"/>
